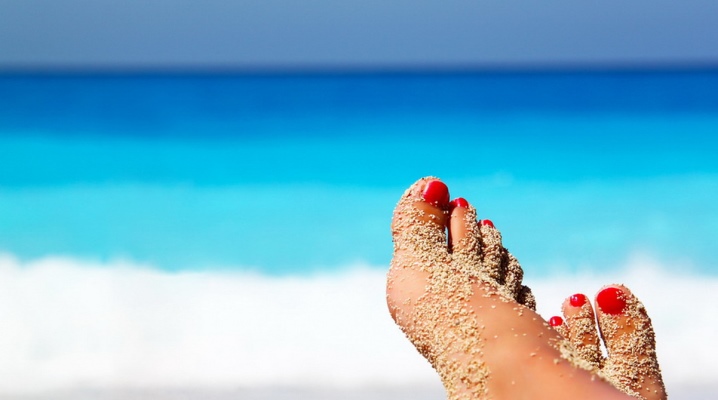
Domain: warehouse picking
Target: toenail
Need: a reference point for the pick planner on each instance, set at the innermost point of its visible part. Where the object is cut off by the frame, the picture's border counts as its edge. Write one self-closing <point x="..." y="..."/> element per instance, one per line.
<point x="611" y="300"/>
<point x="436" y="193"/>
<point x="459" y="202"/>
<point x="487" y="222"/>
<point x="555" y="321"/>
<point x="577" y="300"/>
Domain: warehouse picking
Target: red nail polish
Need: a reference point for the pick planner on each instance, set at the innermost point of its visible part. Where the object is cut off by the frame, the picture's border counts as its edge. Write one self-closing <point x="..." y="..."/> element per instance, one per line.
<point x="555" y="321"/>
<point x="611" y="300"/>
<point x="459" y="202"/>
<point x="487" y="222"/>
<point x="577" y="300"/>
<point x="436" y="193"/>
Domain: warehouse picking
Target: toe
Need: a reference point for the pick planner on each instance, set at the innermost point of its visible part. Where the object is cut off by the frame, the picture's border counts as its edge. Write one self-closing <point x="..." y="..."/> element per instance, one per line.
<point x="494" y="253"/>
<point x="420" y="218"/>
<point x="502" y="267"/>
<point x="464" y="242"/>
<point x="526" y="297"/>
<point x="627" y="331"/>
<point x="558" y="324"/>
<point x="513" y="275"/>
<point x="581" y="329"/>
<point x="420" y="244"/>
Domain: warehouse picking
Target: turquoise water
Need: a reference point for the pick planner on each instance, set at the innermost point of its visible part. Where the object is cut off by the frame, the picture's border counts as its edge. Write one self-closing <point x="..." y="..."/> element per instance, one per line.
<point x="232" y="231"/>
<point x="292" y="174"/>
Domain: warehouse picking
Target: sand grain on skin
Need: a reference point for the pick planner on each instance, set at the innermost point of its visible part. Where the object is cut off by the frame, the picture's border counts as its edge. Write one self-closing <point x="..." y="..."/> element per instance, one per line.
<point x="582" y="336"/>
<point x="632" y="365"/>
<point x="443" y="326"/>
<point x="446" y="329"/>
<point x="442" y="323"/>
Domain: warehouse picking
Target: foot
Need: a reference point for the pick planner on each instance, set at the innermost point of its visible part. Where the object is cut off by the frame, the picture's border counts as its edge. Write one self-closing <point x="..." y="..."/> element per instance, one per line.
<point x="457" y="294"/>
<point x="627" y="332"/>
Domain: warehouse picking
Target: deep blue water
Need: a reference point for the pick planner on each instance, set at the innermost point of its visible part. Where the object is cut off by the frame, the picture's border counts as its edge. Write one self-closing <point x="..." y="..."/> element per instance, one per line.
<point x="299" y="172"/>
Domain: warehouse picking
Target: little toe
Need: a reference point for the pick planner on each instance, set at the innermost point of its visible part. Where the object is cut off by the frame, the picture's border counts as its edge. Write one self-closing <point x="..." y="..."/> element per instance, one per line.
<point x="559" y="325"/>
<point x="526" y="297"/>
<point x="627" y="331"/>
<point x="513" y="275"/>
<point x="582" y="331"/>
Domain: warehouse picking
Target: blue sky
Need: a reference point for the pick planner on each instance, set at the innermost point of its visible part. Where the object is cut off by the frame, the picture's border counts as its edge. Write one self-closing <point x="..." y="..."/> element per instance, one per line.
<point x="367" y="33"/>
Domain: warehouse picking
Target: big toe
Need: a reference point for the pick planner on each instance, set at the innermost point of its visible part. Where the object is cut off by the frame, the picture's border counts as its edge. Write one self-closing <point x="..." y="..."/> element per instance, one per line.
<point x="627" y="331"/>
<point x="420" y="218"/>
<point x="420" y="242"/>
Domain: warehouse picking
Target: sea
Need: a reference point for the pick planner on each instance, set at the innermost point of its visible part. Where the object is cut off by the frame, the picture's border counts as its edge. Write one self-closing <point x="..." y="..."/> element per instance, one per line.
<point x="212" y="235"/>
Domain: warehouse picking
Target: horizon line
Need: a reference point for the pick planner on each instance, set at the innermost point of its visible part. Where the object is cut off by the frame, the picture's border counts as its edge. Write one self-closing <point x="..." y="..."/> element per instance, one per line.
<point x="359" y="69"/>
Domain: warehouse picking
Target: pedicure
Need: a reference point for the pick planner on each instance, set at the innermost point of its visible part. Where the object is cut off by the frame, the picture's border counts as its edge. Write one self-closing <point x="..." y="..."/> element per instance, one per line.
<point x="487" y="222"/>
<point x="611" y="300"/>
<point x="555" y="321"/>
<point x="459" y="202"/>
<point x="577" y="300"/>
<point x="436" y="193"/>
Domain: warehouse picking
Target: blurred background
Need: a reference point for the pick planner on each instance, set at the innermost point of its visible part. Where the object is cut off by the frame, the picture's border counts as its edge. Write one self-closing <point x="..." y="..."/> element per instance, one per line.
<point x="195" y="196"/>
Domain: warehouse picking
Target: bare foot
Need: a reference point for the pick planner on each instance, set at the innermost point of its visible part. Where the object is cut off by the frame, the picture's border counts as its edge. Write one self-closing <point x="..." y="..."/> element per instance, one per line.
<point x="460" y="301"/>
<point x="627" y="332"/>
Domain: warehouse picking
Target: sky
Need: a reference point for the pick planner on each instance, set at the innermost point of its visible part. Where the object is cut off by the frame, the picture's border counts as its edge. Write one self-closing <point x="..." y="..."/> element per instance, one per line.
<point x="357" y="34"/>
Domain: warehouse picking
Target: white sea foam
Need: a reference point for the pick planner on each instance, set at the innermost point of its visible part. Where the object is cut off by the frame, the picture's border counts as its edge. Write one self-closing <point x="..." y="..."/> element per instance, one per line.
<point x="69" y="324"/>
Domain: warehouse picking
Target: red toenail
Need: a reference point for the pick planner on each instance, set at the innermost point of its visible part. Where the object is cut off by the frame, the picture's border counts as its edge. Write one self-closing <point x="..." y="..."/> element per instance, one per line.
<point x="487" y="222"/>
<point x="555" y="321"/>
<point x="611" y="300"/>
<point x="577" y="300"/>
<point x="437" y="194"/>
<point x="459" y="202"/>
